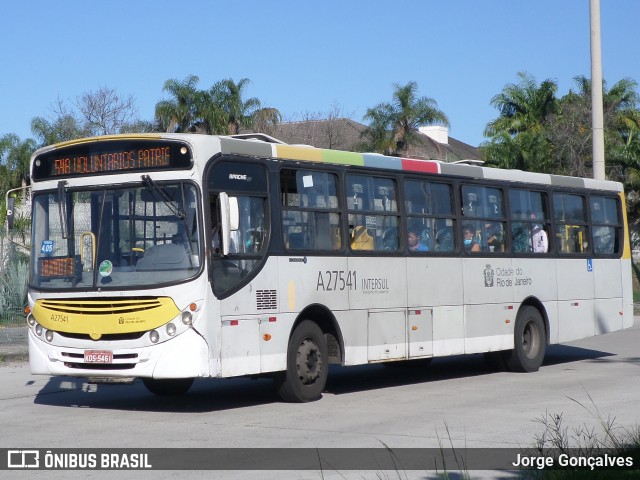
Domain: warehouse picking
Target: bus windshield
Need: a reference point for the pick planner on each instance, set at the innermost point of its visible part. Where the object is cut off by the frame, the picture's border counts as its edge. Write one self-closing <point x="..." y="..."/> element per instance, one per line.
<point x="115" y="237"/>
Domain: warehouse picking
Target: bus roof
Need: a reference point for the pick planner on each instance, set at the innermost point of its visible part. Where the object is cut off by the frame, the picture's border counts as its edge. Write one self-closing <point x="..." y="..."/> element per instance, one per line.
<point x="277" y="149"/>
<point x="262" y="145"/>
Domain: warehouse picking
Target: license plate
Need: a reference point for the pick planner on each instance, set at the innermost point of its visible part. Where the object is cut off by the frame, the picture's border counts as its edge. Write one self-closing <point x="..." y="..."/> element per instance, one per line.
<point x="98" y="356"/>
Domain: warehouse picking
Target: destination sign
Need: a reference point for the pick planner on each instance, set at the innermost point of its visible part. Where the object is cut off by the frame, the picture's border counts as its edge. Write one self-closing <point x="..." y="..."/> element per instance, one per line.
<point x="107" y="157"/>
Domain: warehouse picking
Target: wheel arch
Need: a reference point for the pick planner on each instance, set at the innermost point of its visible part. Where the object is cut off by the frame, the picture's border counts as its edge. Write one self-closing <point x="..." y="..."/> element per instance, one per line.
<point x="538" y="305"/>
<point x="326" y="320"/>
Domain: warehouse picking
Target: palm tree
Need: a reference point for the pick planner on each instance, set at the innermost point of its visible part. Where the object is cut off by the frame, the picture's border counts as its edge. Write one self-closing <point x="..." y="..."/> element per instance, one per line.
<point x="266" y="119"/>
<point x="523" y="107"/>
<point x="518" y="138"/>
<point x="64" y="128"/>
<point x="15" y="156"/>
<point x="239" y="111"/>
<point x="178" y="113"/>
<point x="394" y="126"/>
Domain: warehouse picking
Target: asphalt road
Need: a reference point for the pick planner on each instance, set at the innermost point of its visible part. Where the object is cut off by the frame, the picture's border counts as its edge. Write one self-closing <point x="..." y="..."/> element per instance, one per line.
<point x="457" y="401"/>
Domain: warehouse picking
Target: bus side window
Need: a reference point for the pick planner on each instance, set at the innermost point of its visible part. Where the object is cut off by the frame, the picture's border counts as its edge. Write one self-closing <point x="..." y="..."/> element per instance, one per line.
<point x="311" y="212"/>
<point x="572" y="232"/>
<point x="606" y="225"/>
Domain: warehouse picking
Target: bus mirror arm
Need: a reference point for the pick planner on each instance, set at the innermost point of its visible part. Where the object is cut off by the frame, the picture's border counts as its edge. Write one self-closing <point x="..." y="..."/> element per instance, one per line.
<point x="230" y="220"/>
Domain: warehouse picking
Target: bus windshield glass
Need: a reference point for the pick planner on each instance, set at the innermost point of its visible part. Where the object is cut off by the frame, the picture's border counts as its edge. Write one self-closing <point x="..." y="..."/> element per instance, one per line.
<point x="115" y="237"/>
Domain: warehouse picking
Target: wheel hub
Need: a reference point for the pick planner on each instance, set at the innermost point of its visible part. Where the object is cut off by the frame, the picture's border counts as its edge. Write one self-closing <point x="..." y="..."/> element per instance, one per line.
<point x="308" y="362"/>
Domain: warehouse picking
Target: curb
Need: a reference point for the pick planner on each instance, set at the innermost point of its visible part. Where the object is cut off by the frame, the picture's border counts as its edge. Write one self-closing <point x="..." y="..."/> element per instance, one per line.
<point x="14" y="353"/>
<point x="13" y="357"/>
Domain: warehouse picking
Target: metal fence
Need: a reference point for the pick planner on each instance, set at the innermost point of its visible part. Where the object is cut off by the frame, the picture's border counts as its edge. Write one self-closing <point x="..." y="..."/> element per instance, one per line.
<point x="14" y="268"/>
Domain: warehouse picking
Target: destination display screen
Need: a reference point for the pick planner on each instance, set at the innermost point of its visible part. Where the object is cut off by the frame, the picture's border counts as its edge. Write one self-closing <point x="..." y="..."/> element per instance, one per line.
<point x="112" y="156"/>
<point x="56" y="267"/>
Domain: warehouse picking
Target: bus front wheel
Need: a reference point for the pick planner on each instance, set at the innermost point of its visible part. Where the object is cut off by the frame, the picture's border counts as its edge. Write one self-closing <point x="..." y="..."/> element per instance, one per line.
<point x="173" y="386"/>
<point x="307" y="365"/>
<point x="529" y="341"/>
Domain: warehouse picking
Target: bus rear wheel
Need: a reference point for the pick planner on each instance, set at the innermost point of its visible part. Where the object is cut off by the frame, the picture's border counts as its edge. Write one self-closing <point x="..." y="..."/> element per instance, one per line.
<point x="165" y="387"/>
<point x="307" y="365"/>
<point x="529" y="342"/>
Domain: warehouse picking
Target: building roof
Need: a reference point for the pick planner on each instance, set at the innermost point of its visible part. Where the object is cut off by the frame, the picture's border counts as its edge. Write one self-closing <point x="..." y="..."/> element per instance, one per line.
<point x="345" y="134"/>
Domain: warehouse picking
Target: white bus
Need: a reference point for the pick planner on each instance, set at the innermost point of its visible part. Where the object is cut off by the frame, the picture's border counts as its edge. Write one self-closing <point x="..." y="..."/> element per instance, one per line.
<point x="169" y="257"/>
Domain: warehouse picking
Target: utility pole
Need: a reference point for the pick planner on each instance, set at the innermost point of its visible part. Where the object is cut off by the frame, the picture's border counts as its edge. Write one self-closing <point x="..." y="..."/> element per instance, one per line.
<point x="597" y="114"/>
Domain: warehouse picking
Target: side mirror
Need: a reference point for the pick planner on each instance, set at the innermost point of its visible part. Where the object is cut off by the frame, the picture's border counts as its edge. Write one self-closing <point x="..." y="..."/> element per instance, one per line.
<point x="229" y="219"/>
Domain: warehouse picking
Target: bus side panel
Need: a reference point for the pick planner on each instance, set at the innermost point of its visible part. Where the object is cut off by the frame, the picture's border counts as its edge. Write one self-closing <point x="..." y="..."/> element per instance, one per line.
<point x="387" y="339"/>
<point x="535" y="278"/>
<point x="381" y="290"/>
<point x="240" y="351"/>
<point x="627" y="293"/>
<point x="433" y="290"/>
<point x="488" y="285"/>
<point x="488" y="327"/>
<point x="381" y="283"/>
<point x="353" y="325"/>
<point x="575" y="299"/>
<point x="608" y="290"/>
<point x="488" y="280"/>
<point x="448" y="330"/>
<point x="242" y="316"/>
<point x="313" y="280"/>
<point x="434" y="281"/>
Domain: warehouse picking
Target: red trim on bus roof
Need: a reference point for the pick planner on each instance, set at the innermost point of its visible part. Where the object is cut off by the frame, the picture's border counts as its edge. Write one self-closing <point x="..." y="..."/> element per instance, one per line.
<point x="420" y="165"/>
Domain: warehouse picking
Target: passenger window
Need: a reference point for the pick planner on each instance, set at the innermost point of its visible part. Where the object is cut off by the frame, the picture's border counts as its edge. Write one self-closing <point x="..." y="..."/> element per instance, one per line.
<point x="373" y="213"/>
<point x="530" y="224"/>
<point x="430" y="216"/>
<point x="310" y="210"/>
<point x="483" y="212"/>
<point x="606" y="225"/>
<point x="571" y="229"/>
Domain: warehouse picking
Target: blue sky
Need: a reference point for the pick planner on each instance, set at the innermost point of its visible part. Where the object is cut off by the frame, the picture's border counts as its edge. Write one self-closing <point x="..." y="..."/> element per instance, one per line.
<point x="304" y="56"/>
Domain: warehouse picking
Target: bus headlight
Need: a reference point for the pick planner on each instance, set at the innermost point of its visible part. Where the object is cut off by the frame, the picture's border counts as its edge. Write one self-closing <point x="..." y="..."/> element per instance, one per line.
<point x="154" y="336"/>
<point x="39" y="330"/>
<point x="171" y="329"/>
<point x="48" y="336"/>
<point x="186" y="318"/>
<point x="31" y="321"/>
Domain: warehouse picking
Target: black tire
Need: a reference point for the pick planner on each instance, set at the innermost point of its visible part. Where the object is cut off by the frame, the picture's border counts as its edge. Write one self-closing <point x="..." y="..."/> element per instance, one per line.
<point x="307" y="365"/>
<point x="166" y="387"/>
<point x="529" y="341"/>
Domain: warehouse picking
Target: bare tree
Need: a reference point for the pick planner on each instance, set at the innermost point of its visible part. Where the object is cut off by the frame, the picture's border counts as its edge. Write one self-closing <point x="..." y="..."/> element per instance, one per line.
<point x="105" y="111"/>
<point x="331" y="129"/>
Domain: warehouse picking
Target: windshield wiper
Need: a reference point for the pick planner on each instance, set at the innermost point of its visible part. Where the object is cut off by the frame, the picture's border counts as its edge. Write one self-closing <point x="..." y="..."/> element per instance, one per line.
<point x="165" y="197"/>
<point x="62" y="208"/>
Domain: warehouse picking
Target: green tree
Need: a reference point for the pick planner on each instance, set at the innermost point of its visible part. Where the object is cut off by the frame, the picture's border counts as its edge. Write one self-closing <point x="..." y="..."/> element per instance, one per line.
<point x="394" y="126"/>
<point x="570" y="128"/>
<point x="266" y="120"/>
<point x="519" y="130"/>
<point x="239" y="112"/>
<point x="61" y="129"/>
<point x="15" y="156"/>
<point x="178" y="114"/>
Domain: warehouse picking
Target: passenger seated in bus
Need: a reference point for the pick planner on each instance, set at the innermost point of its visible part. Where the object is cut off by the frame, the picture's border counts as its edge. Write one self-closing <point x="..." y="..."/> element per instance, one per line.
<point x="444" y="239"/>
<point x="539" y="240"/>
<point x="360" y="239"/>
<point x="470" y="245"/>
<point x="414" y="242"/>
<point x="494" y="237"/>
